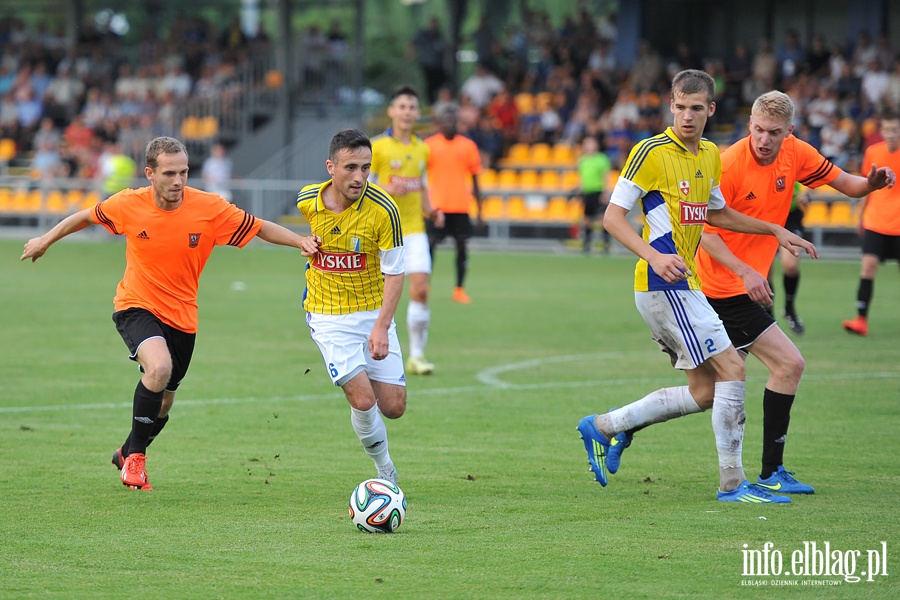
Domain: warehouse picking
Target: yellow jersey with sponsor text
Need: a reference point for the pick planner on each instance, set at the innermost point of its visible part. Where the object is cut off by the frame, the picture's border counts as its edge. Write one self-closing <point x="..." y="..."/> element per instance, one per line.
<point x="345" y="275"/>
<point x="678" y="186"/>
<point x="396" y="162"/>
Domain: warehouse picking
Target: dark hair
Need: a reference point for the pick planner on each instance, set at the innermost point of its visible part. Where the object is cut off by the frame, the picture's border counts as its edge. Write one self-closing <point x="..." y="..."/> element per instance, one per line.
<point x="889" y="114"/>
<point x="404" y="90"/>
<point x="162" y="145"/>
<point x="347" y="139"/>
<point x="692" y="81"/>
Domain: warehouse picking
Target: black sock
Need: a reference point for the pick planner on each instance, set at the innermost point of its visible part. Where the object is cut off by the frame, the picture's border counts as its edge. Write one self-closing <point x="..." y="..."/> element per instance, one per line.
<point x="791" y="282"/>
<point x="462" y="260"/>
<point x="144" y="415"/>
<point x="776" y="419"/>
<point x="158" y="425"/>
<point x="587" y="237"/>
<point x="864" y="297"/>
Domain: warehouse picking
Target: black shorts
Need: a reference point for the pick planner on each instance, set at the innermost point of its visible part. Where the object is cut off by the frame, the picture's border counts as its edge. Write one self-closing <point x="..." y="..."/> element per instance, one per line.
<point x="457" y="225"/>
<point x="745" y="320"/>
<point x="885" y="247"/>
<point x="592" y="206"/>
<point x="137" y="325"/>
<point x="794" y="223"/>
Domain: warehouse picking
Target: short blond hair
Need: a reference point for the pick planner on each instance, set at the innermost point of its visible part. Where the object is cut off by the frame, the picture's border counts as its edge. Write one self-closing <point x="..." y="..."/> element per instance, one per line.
<point x="776" y="105"/>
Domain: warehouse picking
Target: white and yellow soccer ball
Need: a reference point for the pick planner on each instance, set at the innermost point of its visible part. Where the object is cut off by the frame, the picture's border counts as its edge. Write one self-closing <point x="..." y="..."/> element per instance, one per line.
<point x="377" y="506"/>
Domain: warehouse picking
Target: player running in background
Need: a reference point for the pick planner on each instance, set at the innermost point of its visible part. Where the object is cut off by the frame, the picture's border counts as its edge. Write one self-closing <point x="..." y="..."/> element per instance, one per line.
<point x="353" y="285"/>
<point x="399" y="160"/>
<point x="758" y="175"/>
<point x="879" y="223"/>
<point x="170" y="231"/>
<point x="674" y="177"/>
<point x="453" y="166"/>
<point x="593" y="168"/>
<point x="790" y="264"/>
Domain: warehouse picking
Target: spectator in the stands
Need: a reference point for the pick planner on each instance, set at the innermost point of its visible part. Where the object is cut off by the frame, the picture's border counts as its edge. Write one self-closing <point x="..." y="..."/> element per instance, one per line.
<point x="481" y="86"/>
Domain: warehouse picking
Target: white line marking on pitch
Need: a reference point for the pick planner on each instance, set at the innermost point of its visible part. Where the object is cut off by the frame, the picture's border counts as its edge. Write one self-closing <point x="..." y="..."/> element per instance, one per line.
<point x="489" y="378"/>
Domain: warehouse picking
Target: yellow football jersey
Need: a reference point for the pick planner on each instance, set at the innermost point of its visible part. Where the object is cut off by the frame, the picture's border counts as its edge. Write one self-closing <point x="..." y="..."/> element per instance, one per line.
<point x="394" y="161"/>
<point x="345" y="275"/>
<point x="678" y="185"/>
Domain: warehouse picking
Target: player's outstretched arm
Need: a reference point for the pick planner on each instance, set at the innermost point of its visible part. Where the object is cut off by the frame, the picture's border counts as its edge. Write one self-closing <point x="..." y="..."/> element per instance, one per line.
<point x="855" y="186"/>
<point x="728" y="218"/>
<point x="756" y="285"/>
<point x="36" y="247"/>
<point x="282" y="236"/>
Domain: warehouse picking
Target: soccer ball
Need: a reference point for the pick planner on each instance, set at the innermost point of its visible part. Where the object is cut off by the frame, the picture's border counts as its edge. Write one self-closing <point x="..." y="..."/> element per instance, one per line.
<point x="377" y="506"/>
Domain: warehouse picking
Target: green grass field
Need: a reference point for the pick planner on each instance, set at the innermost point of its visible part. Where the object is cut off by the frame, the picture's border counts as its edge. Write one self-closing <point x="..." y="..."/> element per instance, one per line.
<point x="253" y="473"/>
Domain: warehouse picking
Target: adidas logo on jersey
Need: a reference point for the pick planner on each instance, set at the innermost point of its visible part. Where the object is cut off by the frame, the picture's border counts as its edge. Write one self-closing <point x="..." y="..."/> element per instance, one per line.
<point x="750" y="196"/>
<point x="699" y="174"/>
<point x="336" y="230"/>
<point x="143" y="236"/>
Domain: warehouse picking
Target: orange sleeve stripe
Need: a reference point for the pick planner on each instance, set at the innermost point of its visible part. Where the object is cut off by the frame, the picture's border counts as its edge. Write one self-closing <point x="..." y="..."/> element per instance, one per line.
<point x="241" y="232"/>
<point x="821" y="173"/>
<point x="105" y="220"/>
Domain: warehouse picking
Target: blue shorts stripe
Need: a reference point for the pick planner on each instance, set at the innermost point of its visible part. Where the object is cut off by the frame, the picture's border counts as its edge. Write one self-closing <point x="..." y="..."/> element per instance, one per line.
<point x="684" y="323"/>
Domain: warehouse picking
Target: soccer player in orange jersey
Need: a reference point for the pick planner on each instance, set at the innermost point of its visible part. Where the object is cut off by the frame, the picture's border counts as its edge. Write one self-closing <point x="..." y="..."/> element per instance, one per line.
<point x="758" y="175"/>
<point x="453" y="166"/>
<point x="170" y="230"/>
<point x="879" y="223"/>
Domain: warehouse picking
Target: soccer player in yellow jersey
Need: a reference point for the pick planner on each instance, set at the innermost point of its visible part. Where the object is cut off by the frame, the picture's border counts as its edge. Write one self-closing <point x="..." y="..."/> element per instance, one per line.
<point x="353" y="285"/>
<point x="170" y="230"/>
<point x="399" y="159"/>
<point x="674" y="178"/>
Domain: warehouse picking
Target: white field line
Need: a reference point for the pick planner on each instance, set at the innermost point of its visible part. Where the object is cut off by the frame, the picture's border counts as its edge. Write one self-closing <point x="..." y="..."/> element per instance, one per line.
<point x="490" y="380"/>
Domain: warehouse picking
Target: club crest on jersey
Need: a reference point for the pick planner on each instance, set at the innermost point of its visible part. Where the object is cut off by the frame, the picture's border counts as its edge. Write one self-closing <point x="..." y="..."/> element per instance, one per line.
<point x="396" y="165"/>
<point x="779" y="184"/>
<point x="693" y="213"/>
<point x="355" y="242"/>
<point x="340" y="262"/>
<point x="193" y="240"/>
<point x="685" y="187"/>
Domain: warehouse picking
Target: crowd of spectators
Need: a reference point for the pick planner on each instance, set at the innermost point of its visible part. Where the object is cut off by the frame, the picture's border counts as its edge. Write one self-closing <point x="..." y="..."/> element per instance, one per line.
<point x="70" y="105"/>
<point x="839" y="87"/>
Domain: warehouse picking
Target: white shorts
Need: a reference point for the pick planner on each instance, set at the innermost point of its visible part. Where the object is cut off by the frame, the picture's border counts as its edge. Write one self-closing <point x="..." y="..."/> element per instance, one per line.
<point x="343" y="341"/>
<point x="416" y="255"/>
<point x="684" y="325"/>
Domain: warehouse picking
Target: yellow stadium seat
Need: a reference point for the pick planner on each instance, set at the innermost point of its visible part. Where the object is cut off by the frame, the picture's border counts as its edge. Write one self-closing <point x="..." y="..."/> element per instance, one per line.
<point x="190" y="128"/>
<point x="6" y="200"/>
<point x="550" y="181"/>
<point x="528" y="179"/>
<point x="570" y="180"/>
<point x="540" y="154"/>
<point x="524" y="102"/>
<point x="842" y="215"/>
<point x="208" y="128"/>
<point x="487" y="179"/>
<point x="90" y="200"/>
<point x="518" y="154"/>
<point x="558" y="209"/>
<point x="30" y="202"/>
<point x="563" y="154"/>
<point x="56" y="203"/>
<point x="611" y="178"/>
<point x="542" y="101"/>
<point x="492" y="208"/>
<point x="515" y="208"/>
<point x="73" y="200"/>
<point x="7" y="149"/>
<point x="817" y="214"/>
<point x="507" y="179"/>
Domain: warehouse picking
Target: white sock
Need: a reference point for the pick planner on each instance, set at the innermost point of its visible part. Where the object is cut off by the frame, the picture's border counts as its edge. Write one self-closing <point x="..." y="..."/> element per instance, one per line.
<point x="728" y="426"/>
<point x="370" y="429"/>
<point x="659" y="406"/>
<point x="418" y="317"/>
